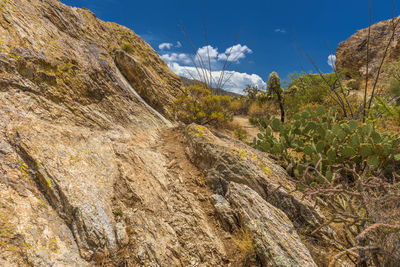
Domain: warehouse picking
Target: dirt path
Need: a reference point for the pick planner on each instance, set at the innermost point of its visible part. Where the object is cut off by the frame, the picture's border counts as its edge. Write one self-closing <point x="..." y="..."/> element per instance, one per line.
<point x="194" y="200"/>
<point x="243" y="122"/>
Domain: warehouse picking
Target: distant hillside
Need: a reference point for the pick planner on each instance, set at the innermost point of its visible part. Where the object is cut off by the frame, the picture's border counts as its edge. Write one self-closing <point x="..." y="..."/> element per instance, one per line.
<point x="352" y="53"/>
<point x="187" y="82"/>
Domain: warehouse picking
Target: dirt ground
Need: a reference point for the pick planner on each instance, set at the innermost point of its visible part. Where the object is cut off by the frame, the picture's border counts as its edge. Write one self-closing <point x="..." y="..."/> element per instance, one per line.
<point x="243" y="122"/>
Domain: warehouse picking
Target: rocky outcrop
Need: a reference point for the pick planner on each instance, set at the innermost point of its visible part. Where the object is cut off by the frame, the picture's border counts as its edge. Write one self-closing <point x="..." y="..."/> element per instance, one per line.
<point x="226" y="160"/>
<point x="249" y="181"/>
<point x="93" y="170"/>
<point x="352" y="53"/>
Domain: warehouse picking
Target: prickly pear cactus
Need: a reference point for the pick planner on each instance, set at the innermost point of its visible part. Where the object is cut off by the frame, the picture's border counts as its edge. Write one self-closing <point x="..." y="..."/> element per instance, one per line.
<point x="318" y="139"/>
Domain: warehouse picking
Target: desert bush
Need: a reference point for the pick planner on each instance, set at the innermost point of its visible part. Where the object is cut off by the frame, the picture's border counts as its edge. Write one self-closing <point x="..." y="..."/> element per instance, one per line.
<point x="197" y="104"/>
<point x="385" y="108"/>
<point x="311" y="90"/>
<point x="239" y="105"/>
<point x="306" y="89"/>
<point x="256" y="109"/>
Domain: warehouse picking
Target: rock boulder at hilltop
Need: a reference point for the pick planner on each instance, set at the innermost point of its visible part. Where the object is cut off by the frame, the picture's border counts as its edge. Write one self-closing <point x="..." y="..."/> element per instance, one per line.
<point x="94" y="171"/>
<point x="352" y="53"/>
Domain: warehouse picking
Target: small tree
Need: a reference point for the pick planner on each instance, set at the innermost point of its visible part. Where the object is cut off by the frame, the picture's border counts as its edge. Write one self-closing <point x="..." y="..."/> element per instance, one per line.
<point x="274" y="88"/>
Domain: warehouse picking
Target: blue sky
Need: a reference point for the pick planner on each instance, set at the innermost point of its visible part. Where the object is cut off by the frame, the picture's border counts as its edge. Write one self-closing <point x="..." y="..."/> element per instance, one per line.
<point x="266" y="40"/>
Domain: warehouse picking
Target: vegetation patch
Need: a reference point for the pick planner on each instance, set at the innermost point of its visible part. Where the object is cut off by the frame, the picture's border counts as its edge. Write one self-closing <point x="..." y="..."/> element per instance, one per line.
<point x="198" y="105"/>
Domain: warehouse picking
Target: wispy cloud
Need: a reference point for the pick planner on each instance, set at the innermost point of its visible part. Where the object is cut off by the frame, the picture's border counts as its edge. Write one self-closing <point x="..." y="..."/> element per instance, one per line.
<point x="283" y="31"/>
<point x="165" y="46"/>
<point x="331" y="61"/>
<point x="176" y="57"/>
<point x="178" y="44"/>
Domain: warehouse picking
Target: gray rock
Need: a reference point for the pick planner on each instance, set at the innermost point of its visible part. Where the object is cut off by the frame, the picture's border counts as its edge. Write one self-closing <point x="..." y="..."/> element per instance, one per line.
<point x="225" y="213"/>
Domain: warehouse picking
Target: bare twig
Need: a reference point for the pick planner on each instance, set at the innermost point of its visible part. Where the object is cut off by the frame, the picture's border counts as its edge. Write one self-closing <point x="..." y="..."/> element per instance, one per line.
<point x="367" y="64"/>
<point x="340" y="83"/>
<point x="350" y="251"/>
<point x="363" y="235"/>
<point x="394" y="27"/>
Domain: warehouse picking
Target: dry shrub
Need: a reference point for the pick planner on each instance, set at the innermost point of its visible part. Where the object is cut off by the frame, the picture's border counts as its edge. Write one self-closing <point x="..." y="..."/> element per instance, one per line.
<point x="232" y="125"/>
<point x="257" y="109"/>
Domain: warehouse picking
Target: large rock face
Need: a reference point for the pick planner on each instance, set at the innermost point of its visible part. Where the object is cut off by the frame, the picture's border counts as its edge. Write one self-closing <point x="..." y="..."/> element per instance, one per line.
<point x="352" y="53"/>
<point x="92" y="170"/>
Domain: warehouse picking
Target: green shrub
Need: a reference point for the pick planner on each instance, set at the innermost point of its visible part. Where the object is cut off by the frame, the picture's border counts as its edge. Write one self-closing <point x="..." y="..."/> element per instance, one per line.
<point x="319" y="140"/>
<point x="307" y="89"/>
<point x="197" y="104"/>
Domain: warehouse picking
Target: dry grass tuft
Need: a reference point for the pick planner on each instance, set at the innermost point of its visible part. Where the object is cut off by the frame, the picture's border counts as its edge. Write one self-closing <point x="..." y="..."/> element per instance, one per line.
<point x="244" y="241"/>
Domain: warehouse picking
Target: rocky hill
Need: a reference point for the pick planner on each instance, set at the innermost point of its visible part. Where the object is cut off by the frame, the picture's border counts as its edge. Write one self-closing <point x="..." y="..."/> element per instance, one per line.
<point x="94" y="171"/>
<point x="352" y="53"/>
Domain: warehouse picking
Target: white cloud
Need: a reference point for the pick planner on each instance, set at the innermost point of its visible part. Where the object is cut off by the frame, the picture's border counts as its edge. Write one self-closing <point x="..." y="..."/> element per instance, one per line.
<point x="182" y="65"/>
<point x="331" y="61"/>
<point x="235" y="53"/>
<point x="206" y="52"/>
<point x="165" y="46"/>
<point x="178" y="44"/>
<point x="175" y="57"/>
<point x="236" y="83"/>
<point x="280" y="31"/>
